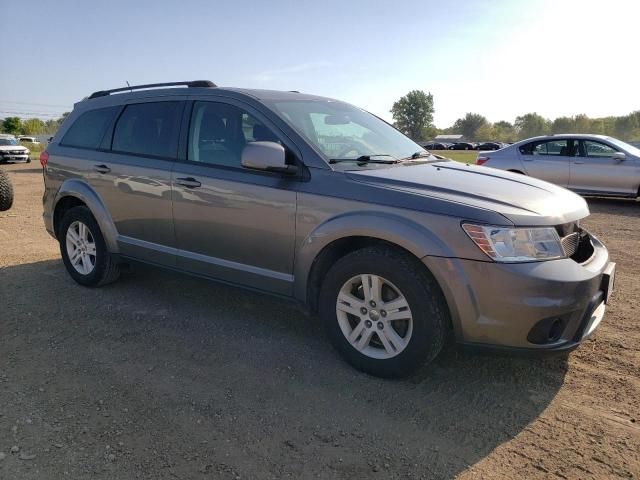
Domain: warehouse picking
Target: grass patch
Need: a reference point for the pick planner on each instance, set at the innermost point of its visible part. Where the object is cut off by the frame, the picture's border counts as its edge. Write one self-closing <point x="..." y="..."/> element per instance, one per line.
<point x="464" y="156"/>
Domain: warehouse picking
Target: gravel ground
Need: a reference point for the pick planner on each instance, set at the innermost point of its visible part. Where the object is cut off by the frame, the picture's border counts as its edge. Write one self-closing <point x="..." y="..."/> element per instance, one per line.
<point x="165" y="376"/>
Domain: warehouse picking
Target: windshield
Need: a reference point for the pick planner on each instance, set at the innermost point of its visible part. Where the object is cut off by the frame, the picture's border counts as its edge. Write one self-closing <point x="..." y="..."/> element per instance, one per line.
<point x="625" y="146"/>
<point x="8" y="141"/>
<point x="342" y="131"/>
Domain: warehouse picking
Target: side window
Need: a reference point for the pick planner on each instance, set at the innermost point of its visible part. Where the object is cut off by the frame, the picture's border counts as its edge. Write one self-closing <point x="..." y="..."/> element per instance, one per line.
<point x="89" y="128"/>
<point x="552" y="147"/>
<point x="598" y="150"/>
<point x="218" y="132"/>
<point x="148" y="129"/>
<point x="527" y="149"/>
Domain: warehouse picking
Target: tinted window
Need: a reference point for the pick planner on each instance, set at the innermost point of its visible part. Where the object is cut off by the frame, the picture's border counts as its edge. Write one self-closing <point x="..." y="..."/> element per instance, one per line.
<point x="148" y="129"/>
<point x="597" y="149"/>
<point x="218" y="133"/>
<point x="548" y="147"/>
<point x="89" y="128"/>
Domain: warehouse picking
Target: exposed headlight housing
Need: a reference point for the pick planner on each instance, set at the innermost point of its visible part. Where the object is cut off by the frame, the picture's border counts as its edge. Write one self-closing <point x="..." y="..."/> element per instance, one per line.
<point x="505" y="244"/>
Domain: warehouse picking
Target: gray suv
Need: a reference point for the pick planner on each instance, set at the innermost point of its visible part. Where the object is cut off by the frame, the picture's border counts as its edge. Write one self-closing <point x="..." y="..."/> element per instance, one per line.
<point x="323" y="203"/>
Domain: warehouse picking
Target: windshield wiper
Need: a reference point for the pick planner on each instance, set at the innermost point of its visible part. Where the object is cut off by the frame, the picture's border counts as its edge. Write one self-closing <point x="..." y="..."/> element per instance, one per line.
<point x="416" y="155"/>
<point x="364" y="159"/>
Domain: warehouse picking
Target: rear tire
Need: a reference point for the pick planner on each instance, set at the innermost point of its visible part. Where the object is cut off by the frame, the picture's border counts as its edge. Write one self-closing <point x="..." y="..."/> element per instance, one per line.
<point x="414" y="333"/>
<point x="6" y="192"/>
<point x="84" y="251"/>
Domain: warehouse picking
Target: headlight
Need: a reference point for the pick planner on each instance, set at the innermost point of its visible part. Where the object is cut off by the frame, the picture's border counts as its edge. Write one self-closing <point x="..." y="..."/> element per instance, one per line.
<point x="505" y="244"/>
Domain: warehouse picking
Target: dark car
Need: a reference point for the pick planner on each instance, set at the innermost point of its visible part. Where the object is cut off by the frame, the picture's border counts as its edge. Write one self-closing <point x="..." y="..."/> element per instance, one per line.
<point x="462" y="146"/>
<point x="434" y="146"/>
<point x="490" y="146"/>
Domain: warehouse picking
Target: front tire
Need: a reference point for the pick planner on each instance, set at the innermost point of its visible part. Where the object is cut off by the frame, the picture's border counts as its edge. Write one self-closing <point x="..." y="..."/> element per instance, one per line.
<point x="383" y="311"/>
<point x="84" y="251"/>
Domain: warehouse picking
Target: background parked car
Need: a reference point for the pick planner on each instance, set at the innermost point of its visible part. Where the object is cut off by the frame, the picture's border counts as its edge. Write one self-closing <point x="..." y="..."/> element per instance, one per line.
<point x="10" y="149"/>
<point x="31" y="140"/>
<point x="462" y="146"/>
<point x="587" y="164"/>
<point x="490" y="146"/>
<point x="434" y="146"/>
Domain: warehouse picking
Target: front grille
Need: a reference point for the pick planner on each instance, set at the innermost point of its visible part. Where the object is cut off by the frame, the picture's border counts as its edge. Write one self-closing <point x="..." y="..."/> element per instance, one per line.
<point x="570" y="243"/>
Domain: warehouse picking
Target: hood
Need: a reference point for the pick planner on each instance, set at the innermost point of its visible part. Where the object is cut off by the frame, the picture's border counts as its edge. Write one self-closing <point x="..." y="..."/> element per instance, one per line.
<point x="521" y="199"/>
<point x="12" y="148"/>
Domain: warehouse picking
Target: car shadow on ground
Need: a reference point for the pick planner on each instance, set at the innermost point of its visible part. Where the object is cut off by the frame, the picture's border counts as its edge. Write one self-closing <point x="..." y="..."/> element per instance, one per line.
<point x="614" y="206"/>
<point x="201" y="373"/>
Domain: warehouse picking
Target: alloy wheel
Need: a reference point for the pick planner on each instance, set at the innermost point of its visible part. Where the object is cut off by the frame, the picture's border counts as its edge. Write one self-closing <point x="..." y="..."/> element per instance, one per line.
<point x="374" y="316"/>
<point x="81" y="248"/>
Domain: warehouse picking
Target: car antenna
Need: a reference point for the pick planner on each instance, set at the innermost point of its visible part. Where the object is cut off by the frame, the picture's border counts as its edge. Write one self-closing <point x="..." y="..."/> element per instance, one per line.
<point x="130" y="89"/>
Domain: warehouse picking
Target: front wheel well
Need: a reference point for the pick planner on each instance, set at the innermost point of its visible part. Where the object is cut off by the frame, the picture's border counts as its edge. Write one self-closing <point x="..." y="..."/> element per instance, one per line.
<point x="64" y="204"/>
<point x="330" y="254"/>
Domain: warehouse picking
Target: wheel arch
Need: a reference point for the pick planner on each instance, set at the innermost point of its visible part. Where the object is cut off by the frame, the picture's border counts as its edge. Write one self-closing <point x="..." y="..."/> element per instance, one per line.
<point x="74" y="193"/>
<point x="344" y="234"/>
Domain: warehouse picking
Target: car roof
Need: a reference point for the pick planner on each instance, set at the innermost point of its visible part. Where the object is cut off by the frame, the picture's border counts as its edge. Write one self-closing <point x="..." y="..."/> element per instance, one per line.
<point x="7" y="135"/>
<point x="563" y="135"/>
<point x="258" y="94"/>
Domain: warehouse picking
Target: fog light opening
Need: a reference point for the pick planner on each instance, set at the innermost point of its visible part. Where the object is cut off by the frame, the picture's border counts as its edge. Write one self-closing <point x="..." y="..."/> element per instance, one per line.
<point x="555" y="331"/>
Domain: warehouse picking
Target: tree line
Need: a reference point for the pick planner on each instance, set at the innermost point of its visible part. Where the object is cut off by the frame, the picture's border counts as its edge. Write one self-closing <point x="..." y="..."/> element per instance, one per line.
<point x="31" y="126"/>
<point x="413" y="115"/>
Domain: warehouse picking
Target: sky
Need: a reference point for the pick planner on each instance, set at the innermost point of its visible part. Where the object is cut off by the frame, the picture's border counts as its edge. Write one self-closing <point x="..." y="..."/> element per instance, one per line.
<point x="497" y="58"/>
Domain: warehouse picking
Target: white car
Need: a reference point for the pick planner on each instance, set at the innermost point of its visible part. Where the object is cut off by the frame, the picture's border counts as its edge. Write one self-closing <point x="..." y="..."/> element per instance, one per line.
<point x="586" y="164"/>
<point x="32" y="140"/>
<point x="10" y="149"/>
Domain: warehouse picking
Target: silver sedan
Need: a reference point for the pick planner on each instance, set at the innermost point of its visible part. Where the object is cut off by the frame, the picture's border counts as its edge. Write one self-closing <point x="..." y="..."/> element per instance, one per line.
<point x="586" y="164"/>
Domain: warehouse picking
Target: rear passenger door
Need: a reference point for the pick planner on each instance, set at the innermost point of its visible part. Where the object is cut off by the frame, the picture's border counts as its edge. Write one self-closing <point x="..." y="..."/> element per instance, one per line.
<point x="548" y="159"/>
<point x="232" y="223"/>
<point x="133" y="177"/>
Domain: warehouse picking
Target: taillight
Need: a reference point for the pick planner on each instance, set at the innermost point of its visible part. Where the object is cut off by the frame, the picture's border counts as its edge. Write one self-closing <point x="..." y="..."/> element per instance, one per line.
<point x="44" y="158"/>
<point x="482" y="160"/>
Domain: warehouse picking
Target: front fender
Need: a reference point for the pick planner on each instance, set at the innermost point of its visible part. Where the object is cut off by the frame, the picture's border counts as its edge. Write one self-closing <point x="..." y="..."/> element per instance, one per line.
<point x="394" y="229"/>
<point x="82" y="191"/>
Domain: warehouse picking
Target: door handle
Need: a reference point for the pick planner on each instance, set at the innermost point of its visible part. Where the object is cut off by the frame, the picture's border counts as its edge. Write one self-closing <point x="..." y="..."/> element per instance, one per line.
<point x="578" y="162"/>
<point x="188" y="182"/>
<point x="101" y="169"/>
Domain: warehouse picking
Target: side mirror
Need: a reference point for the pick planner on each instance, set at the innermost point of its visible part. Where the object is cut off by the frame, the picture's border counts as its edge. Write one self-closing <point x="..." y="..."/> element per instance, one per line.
<point x="620" y="156"/>
<point x="266" y="156"/>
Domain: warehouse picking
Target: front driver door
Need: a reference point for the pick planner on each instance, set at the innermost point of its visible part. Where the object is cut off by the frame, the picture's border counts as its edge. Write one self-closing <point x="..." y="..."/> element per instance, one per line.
<point x="594" y="170"/>
<point x="231" y="223"/>
<point x="548" y="160"/>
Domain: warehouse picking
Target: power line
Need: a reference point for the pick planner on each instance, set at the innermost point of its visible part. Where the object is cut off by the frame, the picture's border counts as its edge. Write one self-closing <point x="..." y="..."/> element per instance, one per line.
<point x="31" y="114"/>
<point x="36" y="104"/>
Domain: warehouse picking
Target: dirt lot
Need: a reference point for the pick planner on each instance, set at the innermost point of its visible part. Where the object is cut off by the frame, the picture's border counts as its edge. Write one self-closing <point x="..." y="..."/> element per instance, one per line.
<point x="165" y="376"/>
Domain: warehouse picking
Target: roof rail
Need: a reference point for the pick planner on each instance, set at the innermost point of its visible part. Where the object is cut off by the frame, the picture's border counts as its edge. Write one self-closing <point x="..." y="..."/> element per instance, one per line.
<point x="191" y="84"/>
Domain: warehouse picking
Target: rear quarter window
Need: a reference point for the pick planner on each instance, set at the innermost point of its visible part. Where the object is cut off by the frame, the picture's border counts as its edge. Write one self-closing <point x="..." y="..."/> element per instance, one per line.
<point x="89" y="128"/>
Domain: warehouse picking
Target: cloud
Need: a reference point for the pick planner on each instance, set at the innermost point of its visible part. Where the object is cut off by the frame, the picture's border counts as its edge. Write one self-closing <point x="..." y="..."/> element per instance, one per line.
<point x="279" y="73"/>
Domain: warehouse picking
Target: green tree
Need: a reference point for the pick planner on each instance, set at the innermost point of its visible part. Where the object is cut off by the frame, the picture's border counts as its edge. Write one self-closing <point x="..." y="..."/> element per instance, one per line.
<point x="531" y="125"/>
<point x="626" y="127"/>
<point x="504" y="131"/>
<point x="12" y="125"/>
<point x="430" y="132"/>
<point x="562" y="125"/>
<point x="485" y="133"/>
<point x="469" y="125"/>
<point x="413" y="113"/>
<point x="33" y="126"/>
